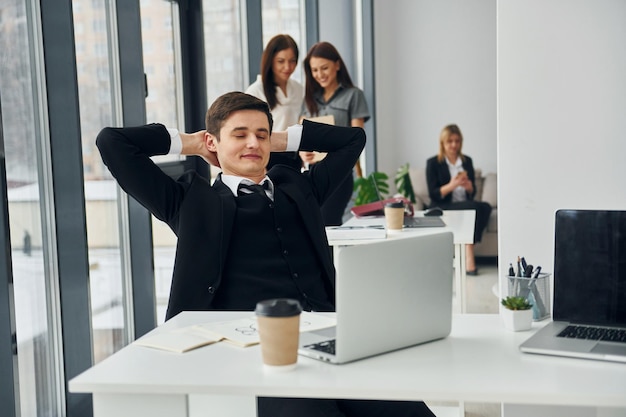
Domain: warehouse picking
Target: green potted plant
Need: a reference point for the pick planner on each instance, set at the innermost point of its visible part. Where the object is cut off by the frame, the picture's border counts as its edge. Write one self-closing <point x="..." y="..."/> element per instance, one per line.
<point x="403" y="183"/>
<point x="365" y="187"/>
<point x="517" y="313"/>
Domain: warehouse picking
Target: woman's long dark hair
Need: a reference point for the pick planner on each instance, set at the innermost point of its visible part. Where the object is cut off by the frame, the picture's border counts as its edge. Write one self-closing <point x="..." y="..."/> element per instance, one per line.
<point x="275" y="45"/>
<point x="327" y="51"/>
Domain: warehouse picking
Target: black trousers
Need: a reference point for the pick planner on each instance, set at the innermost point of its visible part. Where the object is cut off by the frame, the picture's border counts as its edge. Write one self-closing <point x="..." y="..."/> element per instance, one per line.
<point x="334" y="207"/>
<point x="483" y="211"/>
<point x="313" y="407"/>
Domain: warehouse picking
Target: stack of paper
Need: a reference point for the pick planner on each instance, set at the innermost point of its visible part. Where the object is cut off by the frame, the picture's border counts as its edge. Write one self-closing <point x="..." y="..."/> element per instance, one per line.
<point x="356" y="232"/>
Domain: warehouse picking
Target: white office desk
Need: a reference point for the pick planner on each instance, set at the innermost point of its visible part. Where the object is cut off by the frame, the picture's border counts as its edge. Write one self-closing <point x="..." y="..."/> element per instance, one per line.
<point x="459" y="222"/>
<point x="478" y="362"/>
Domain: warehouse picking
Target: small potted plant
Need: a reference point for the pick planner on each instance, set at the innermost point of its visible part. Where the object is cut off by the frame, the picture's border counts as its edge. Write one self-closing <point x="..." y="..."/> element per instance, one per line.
<point x="517" y="313"/>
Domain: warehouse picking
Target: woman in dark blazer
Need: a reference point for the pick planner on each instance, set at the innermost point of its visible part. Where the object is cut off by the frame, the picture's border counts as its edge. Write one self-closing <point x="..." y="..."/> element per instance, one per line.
<point x="451" y="185"/>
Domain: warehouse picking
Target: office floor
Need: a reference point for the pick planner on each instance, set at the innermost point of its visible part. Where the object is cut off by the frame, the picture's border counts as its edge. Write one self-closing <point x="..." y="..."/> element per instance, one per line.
<point x="481" y="299"/>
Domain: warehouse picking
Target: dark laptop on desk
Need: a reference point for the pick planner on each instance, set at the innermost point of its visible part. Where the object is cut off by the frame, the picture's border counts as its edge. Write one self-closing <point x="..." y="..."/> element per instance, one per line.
<point x="589" y="288"/>
<point x="390" y="294"/>
<point x="410" y="222"/>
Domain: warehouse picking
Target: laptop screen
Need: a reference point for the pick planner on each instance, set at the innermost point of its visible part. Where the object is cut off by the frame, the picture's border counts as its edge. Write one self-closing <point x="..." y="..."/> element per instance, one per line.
<point x="590" y="267"/>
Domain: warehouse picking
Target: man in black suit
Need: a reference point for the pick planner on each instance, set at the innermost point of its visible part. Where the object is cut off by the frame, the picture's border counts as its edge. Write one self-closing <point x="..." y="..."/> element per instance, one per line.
<point x="237" y="245"/>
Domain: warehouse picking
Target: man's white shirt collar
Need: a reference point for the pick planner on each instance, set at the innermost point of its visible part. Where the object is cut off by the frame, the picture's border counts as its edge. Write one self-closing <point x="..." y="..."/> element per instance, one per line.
<point x="233" y="181"/>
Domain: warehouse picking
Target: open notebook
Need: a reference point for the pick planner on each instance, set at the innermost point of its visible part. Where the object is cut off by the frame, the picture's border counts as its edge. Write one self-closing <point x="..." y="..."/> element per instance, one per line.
<point x="241" y="332"/>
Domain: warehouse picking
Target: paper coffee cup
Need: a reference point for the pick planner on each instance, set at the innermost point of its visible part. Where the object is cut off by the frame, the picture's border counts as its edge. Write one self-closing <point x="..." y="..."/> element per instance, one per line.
<point x="279" y="331"/>
<point x="394" y="215"/>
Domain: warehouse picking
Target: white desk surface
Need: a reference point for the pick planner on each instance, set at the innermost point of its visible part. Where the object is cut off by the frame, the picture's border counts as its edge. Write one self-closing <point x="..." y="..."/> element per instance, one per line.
<point x="478" y="362"/>
<point x="459" y="222"/>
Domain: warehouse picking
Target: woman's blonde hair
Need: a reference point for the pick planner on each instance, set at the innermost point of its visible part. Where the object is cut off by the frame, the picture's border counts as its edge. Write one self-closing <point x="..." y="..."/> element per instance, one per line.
<point x="446" y="132"/>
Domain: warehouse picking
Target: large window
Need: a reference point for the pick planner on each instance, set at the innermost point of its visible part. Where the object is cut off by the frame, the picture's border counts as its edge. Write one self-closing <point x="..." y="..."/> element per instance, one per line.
<point x="223" y="47"/>
<point x="161" y="60"/>
<point x="74" y="273"/>
<point x="159" y="20"/>
<point x="285" y="16"/>
<point x="35" y="294"/>
<point x="96" y="88"/>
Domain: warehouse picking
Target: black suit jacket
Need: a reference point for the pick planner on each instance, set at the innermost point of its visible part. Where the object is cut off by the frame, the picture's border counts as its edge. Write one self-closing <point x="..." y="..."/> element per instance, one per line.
<point x="202" y="215"/>
<point x="438" y="174"/>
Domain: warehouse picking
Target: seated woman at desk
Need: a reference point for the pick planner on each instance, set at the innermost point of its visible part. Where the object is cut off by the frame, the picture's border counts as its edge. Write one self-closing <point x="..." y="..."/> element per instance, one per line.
<point x="451" y="186"/>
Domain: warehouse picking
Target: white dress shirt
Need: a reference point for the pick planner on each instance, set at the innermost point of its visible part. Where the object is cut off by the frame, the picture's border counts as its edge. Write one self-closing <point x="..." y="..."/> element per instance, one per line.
<point x="458" y="194"/>
<point x="294" y="135"/>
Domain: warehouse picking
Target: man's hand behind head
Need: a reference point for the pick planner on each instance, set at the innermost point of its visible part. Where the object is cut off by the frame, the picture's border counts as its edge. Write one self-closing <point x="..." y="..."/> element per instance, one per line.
<point x="209" y="155"/>
<point x="197" y="144"/>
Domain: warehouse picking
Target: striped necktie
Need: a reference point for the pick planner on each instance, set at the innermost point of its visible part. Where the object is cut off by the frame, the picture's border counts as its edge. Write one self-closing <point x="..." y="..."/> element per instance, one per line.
<point x="253" y="188"/>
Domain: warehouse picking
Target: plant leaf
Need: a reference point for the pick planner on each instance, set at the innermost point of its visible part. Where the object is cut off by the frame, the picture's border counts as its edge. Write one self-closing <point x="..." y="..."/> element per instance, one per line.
<point x="403" y="183"/>
<point x="516" y="303"/>
<point x="366" y="191"/>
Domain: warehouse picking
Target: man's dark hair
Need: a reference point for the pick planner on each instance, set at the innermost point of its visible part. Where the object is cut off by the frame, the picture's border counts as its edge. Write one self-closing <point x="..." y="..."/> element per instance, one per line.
<point x="227" y="103"/>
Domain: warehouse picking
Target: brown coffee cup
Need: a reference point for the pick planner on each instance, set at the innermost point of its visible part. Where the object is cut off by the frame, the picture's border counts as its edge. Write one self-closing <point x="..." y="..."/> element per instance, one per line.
<point x="394" y="216"/>
<point x="279" y="331"/>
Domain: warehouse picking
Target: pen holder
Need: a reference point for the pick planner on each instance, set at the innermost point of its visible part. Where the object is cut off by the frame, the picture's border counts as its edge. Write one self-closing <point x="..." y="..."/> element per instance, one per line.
<point x="535" y="290"/>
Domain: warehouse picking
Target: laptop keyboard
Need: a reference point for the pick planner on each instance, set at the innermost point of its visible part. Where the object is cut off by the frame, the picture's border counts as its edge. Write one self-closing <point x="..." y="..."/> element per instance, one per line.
<point x="594" y="333"/>
<point x="327" y="346"/>
<point x="410" y="222"/>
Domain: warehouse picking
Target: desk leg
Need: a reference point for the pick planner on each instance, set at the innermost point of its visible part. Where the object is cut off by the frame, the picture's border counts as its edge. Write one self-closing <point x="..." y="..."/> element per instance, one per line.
<point x="133" y="405"/>
<point x="460" y="275"/>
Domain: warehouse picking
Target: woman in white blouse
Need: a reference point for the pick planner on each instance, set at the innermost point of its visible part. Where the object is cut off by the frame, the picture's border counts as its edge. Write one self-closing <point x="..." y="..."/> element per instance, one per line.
<point x="283" y="94"/>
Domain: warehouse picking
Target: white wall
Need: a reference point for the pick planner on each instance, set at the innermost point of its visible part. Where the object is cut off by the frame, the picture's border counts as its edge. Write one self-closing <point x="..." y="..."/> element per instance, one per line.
<point x="435" y="65"/>
<point x="561" y="117"/>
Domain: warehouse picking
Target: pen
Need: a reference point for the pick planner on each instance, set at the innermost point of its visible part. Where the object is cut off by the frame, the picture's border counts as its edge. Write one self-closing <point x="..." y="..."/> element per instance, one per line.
<point x="519" y="267"/>
<point x="526" y="284"/>
<point x="537" y="271"/>
<point x="528" y="271"/>
<point x="524" y="265"/>
<point x="512" y="278"/>
<point x="533" y="280"/>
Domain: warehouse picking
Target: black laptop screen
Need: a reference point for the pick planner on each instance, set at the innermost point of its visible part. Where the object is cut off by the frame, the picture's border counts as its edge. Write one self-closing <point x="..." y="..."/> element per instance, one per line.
<point x="590" y="267"/>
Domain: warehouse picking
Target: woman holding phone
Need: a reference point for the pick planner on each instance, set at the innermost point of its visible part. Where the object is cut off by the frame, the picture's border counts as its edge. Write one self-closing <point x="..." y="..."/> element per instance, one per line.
<point x="451" y="186"/>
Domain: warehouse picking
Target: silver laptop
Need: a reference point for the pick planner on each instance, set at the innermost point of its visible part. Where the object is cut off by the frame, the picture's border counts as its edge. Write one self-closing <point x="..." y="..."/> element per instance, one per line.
<point x="589" y="308"/>
<point x="390" y="294"/>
